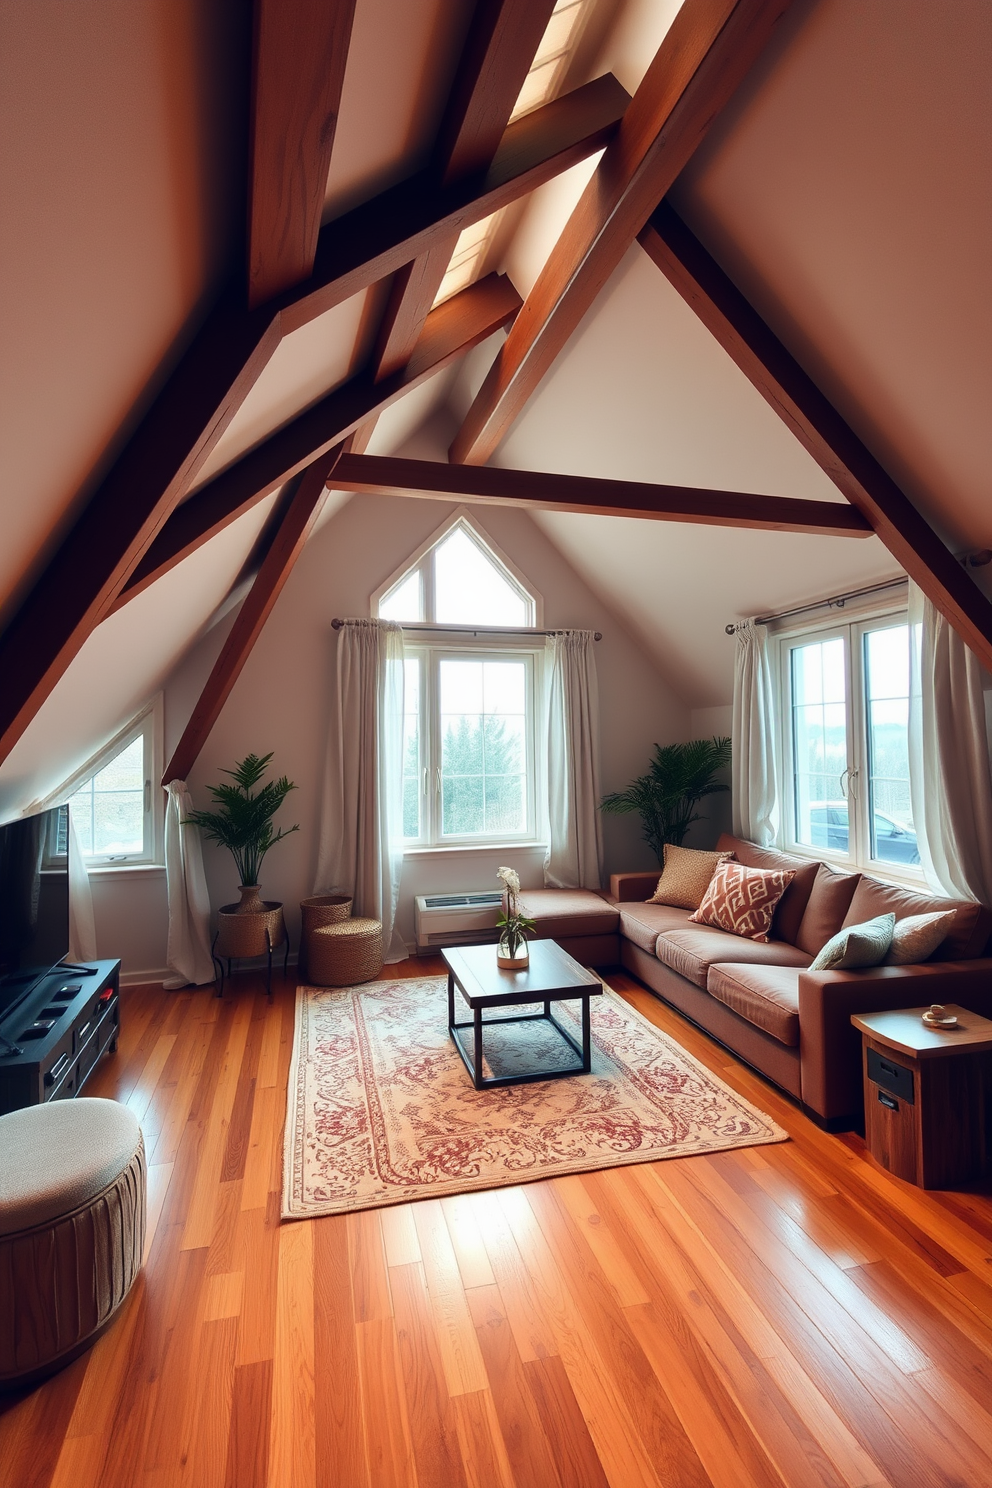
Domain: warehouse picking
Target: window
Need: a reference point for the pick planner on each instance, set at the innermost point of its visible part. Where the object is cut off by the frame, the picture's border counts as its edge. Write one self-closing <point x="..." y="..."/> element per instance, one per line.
<point x="113" y="798"/>
<point x="469" y="697"/>
<point x="846" y="743"/>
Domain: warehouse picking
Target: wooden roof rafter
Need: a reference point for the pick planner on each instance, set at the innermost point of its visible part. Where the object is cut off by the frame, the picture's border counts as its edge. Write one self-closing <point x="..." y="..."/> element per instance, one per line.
<point x="299" y="52"/>
<point x="502" y="40"/>
<point x="818" y="426"/>
<point x="532" y="490"/>
<point x="198" y="400"/>
<point x="707" y="52"/>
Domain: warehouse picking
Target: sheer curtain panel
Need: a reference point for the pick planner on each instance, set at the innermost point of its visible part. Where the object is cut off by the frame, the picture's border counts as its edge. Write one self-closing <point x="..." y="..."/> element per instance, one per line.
<point x="753" y="767"/>
<point x="82" y="926"/>
<point x="949" y="771"/>
<point x="188" y="950"/>
<point x="360" y="851"/>
<point x="575" y="837"/>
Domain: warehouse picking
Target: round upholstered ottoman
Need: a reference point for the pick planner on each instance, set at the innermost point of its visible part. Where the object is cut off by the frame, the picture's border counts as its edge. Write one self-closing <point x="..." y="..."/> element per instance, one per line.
<point x="72" y="1229"/>
<point x="344" y="954"/>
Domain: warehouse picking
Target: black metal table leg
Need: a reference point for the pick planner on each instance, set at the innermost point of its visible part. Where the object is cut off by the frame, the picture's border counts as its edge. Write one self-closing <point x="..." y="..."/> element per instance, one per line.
<point x="478" y="1048"/>
<point x="586" y="1036"/>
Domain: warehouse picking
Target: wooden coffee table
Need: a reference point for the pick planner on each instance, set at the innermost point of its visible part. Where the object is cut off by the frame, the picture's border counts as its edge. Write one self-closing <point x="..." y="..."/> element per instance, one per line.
<point x="552" y="976"/>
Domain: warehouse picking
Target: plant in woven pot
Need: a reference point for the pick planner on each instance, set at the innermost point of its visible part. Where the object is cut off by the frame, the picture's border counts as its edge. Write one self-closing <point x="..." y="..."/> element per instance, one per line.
<point x="243" y="824"/>
<point x="677" y="779"/>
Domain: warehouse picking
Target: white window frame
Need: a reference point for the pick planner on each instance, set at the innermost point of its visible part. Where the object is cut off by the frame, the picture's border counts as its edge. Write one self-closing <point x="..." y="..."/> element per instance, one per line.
<point x="483" y="643"/>
<point x="147" y="725"/>
<point x="430" y="655"/>
<point x="852" y="631"/>
<point x="422" y="561"/>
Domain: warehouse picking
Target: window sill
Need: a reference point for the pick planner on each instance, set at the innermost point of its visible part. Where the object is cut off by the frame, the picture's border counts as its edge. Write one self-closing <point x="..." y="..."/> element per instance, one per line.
<point x="474" y="847"/>
<point x="125" y="870"/>
<point x="885" y="873"/>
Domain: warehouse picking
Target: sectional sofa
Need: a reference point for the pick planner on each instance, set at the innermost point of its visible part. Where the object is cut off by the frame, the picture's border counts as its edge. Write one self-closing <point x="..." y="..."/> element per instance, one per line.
<point x="760" y="999"/>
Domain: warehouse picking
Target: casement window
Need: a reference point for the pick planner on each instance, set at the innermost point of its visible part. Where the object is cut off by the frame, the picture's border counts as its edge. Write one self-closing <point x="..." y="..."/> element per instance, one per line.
<point x="115" y="804"/>
<point x="845" y="745"/>
<point x="471" y="687"/>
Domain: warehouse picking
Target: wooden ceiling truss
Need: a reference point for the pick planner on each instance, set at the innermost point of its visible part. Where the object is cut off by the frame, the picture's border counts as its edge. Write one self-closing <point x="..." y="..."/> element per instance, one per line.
<point x="818" y="426"/>
<point x="137" y="524"/>
<point x="490" y="485"/>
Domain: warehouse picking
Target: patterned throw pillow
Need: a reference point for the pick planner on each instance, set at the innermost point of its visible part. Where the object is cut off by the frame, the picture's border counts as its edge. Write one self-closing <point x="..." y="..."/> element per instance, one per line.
<point x="743" y="900"/>
<point x="686" y="876"/>
<point x="918" y="936"/>
<point x="856" y="946"/>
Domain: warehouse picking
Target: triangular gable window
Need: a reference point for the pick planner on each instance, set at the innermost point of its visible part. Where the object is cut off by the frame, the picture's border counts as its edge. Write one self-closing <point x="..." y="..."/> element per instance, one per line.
<point x="458" y="580"/>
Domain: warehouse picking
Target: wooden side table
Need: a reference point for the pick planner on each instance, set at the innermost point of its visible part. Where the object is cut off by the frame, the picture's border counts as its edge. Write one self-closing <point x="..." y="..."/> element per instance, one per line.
<point x="928" y="1096"/>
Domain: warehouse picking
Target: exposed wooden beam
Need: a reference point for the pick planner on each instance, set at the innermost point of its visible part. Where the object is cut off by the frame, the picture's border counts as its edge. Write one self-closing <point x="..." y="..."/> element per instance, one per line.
<point x="302" y="511"/>
<point x="502" y="40"/>
<point x="819" y="427"/>
<point x="198" y="401"/>
<point x="299" y="54"/>
<point x="706" y="54"/>
<point x="451" y="330"/>
<point x="532" y="489"/>
<point x="406" y="221"/>
<point x="128" y="508"/>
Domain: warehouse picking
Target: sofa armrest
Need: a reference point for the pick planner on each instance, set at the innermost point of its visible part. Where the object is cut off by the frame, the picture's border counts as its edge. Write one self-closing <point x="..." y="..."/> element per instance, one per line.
<point x="626" y="887"/>
<point x="830" y="1046"/>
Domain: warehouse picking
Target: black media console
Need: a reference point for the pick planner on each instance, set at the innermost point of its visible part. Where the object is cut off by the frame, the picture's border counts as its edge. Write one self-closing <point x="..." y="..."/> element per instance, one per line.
<point x="61" y="1030"/>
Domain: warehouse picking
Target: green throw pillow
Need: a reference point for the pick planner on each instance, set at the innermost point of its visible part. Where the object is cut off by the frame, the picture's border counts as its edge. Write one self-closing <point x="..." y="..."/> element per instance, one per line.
<point x="856" y="946"/>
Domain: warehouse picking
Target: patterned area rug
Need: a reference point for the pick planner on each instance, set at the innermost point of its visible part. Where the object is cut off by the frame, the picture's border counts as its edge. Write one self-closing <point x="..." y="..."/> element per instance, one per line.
<point x="382" y="1111"/>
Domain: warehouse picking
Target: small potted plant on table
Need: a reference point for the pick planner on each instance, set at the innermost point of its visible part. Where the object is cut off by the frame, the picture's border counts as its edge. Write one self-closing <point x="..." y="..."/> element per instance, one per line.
<point x="512" y="953"/>
<point x="243" y="824"/>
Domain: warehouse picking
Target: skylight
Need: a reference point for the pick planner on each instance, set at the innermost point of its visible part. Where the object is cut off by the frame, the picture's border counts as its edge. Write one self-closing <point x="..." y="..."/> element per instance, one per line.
<point x="540" y="86"/>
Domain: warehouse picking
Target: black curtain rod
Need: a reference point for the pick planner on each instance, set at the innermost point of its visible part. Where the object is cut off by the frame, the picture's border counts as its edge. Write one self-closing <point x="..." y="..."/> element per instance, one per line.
<point x="837" y="602"/>
<point x="475" y="630"/>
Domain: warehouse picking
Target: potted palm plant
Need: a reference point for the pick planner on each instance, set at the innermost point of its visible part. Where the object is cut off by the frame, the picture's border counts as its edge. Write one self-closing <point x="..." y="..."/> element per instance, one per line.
<point x="243" y="824"/>
<point x="677" y="779"/>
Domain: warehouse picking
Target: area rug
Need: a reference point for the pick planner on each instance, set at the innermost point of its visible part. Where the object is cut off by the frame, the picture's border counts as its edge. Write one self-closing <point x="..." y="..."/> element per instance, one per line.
<point x="382" y="1111"/>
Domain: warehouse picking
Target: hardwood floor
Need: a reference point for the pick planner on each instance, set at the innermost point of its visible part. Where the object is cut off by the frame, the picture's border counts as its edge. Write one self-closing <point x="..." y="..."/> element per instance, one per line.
<point x="778" y="1315"/>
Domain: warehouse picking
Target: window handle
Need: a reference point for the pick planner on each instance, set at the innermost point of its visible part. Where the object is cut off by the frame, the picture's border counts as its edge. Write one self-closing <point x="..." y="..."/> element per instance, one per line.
<point x="425" y="780"/>
<point x="437" y="779"/>
<point x="843" y="787"/>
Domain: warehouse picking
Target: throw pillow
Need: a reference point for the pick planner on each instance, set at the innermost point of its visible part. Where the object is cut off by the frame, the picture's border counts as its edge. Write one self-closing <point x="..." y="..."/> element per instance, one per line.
<point x="686" y="876"/>
<point x="918" y="936"/>
<point x="743" y="900"/>
<point x="856" y="946"/>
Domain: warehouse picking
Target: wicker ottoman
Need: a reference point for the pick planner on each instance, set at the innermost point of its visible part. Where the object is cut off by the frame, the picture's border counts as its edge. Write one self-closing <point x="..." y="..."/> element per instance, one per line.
<point x="344" y="954"/>
<point x="72" y="1230"/>
<point x="321" y="909"/>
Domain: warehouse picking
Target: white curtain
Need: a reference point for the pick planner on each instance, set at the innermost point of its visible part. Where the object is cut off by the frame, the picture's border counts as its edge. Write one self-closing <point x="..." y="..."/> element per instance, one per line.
<point x="188" y="950"/>
<point x="949" y="771"/>
<point x="82" y="926"/>
<point x="360" y="850"/>
<point x="574" y="858"/>
<point x="753" y="766"/>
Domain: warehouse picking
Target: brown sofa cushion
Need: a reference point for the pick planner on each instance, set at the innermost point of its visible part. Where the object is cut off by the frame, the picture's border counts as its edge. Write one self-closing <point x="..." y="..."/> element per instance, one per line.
<point x="792" y="905"/>
<point x="692" y="951"/>
<point x="829" y="902"/>
<point x="568" y="912"/>
<point x="743" y="900"/>
<point x="767" y="996"/>
<point x="968" y="933"/>
<point x="643" y="923"/>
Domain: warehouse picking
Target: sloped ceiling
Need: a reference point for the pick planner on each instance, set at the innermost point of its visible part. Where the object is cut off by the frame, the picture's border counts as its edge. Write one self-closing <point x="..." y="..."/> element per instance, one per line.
<point x="847" y="190"/>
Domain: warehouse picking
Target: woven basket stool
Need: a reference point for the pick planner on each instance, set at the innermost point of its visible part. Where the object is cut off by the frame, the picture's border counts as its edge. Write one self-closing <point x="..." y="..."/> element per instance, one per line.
<point x="344" y="954"/>
<point x="321" y="909"/>
<point x="72" y="1230"/>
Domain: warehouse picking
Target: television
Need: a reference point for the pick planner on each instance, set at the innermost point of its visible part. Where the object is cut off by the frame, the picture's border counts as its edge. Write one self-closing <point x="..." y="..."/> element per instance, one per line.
<point x="34" y="902"/>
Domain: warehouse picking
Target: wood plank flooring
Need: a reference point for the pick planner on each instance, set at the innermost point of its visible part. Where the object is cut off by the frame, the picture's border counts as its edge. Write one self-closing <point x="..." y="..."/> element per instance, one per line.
<point x="785" y="1315"/>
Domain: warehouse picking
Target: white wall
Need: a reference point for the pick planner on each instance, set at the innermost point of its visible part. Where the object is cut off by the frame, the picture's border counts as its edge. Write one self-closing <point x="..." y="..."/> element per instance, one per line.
<point x="281" y="702"/>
